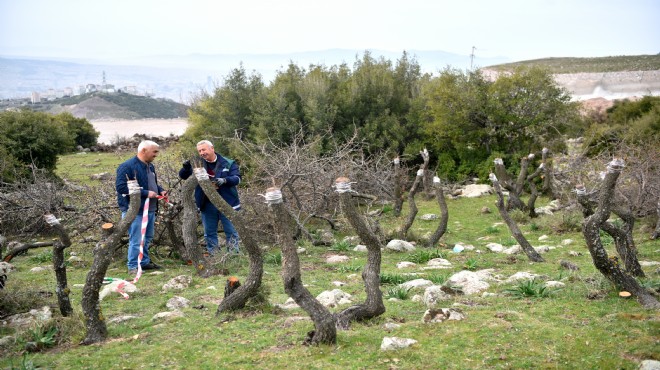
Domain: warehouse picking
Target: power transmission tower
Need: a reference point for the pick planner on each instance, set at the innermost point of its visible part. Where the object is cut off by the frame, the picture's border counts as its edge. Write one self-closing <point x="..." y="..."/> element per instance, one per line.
<point x="472" y="57"/>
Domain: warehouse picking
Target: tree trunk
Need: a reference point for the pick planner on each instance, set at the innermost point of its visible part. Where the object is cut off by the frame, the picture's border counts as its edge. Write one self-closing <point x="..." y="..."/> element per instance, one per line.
<point x="412" y="206"/>
<point x="610" y="267"/>
<point x="623" y="238"/>
<point x="531" y="202"/>
<point x="373" y="306"/>
<point x="514" y="201"/>
<point x="62" y="290"/>
<point x="444" y="213"/>
<point x="94" y="320"/>
<point x="399" y="184"/>
<point x="238" y="298"/>
<point x="548" y="187"/>
<point x="193" y="252"/>
<point x="325" y="331"/>
<point x="531" y="253"/>
<point x="656" y="233"/>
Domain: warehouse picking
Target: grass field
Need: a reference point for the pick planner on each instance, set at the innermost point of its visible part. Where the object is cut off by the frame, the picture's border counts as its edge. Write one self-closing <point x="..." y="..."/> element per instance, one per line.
<point x="585" y="325"/>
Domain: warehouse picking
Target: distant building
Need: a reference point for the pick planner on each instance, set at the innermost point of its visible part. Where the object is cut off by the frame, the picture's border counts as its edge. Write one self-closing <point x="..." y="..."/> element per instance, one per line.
<point x="90" y="88"/>
<point x="35" y="97"/>
<point x="132" y="89"/>
<point x="67" y="92"/>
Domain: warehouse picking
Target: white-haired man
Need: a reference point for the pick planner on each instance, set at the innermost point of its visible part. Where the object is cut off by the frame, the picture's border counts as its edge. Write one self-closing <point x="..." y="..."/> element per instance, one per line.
<point x="225" y="174"/>
<point x="140" y="168"/>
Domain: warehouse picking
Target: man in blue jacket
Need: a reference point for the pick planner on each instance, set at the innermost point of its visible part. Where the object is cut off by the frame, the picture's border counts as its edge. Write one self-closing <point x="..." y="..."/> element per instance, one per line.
<point x="140" y="168"/>
<point x="225" y="175"/>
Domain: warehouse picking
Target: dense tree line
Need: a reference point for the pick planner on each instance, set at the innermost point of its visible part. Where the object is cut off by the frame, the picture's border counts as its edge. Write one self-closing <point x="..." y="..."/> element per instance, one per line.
<point x="30" y="138"/>
<point x="462" y="117"/>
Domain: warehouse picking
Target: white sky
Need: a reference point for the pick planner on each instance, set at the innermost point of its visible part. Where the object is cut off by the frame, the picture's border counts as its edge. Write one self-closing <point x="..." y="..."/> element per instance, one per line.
<point x="516" y="29"/>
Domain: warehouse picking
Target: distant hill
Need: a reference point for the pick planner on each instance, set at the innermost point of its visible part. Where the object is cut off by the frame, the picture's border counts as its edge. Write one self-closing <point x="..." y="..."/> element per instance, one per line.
<point x="588" y="65"/>
<point x="114" y="106"/>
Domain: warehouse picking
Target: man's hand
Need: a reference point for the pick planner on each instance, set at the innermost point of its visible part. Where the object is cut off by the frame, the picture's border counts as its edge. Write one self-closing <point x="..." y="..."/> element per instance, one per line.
<point x="152" y="194"/>
<point x="218" y="180"/>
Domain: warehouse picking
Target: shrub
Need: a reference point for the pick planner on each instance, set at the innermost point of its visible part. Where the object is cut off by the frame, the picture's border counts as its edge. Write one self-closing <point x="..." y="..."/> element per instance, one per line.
<point x="341" y="246"/>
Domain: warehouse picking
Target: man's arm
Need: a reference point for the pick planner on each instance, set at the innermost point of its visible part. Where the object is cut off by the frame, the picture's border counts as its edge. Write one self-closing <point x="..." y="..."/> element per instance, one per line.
<point x="121" y="181"/>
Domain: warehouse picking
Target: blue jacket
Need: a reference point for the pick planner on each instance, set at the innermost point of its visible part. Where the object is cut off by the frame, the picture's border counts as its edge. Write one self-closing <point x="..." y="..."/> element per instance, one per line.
<point x="133" y="168"/>
<point x="225" y="168"/>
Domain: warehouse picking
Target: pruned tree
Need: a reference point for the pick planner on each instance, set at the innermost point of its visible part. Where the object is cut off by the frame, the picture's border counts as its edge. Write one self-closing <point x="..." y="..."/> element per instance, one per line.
<point x="373" y="306"/>
<point x="305" y="177"/>
<point x="549" y="186"/>
<point x="193" y="252"/>
<point x="62" y="290"/>
<point x="609" y="266"/>
<point x="622" y="236"/>
<point x="96" y="330"/>
<point x="656" y="232"/>
<point x="515" y="188"/>
<point x="399" y="184"/>
<point x="324" y="331"/>
<point x="412" y="206"/>
<point x="531" y="253"/>
<point x="250" y="287"/>
<point x="444" y="213"/>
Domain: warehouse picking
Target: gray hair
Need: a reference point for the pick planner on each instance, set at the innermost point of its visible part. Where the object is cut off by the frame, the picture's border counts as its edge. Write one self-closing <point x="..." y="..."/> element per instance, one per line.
<point x="205" y="142"/>
<point x="147" y="144"/>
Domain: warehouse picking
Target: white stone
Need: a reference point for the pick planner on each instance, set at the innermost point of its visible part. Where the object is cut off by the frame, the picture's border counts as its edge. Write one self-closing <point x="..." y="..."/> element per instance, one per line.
<point x="405" y="264"/>
<point x="433" y="295"/>
<point x="360" y="248"/>
<point x="429" y="217"/>
<point x="567" y="241"/>
<point x="400" y="246"/>
<point x="476" y="190"/>
<point x="495" y="247"/>
<point x="470" y="282"/>
<point x="39" y="269"/>
<point x="513" y="250"/>
<point x="439" y="262"/>
<point x="168" y="315"/>
<point x="301" y="250"/>
<point x="394" y="343"/>
<point x="180" y="282"/>
<point x="416" y="284"/>
<point x="333" y="298"/>
<point x="649" y="263"/>
<point x="649" y="365"/>
<point x="521" y="275"/>
<point x="177" y="302"/>
<point x="336" y="258"/>
<point x="542" y="249"/>
<point x="554" y="284"/>
<point x="389" y="326"/>
<point x="543" y="237"/>
<point x="29" y="319"/>
<point x="338" y="283"/>
<point x="443" y="314"/>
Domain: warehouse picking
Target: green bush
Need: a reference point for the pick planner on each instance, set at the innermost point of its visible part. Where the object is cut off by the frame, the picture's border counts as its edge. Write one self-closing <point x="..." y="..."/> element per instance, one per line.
<point x="84" y="133"/>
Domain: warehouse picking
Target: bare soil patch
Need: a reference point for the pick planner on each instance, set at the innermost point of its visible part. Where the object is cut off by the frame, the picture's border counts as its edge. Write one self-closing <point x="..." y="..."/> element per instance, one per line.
<point x="111" y="129"/>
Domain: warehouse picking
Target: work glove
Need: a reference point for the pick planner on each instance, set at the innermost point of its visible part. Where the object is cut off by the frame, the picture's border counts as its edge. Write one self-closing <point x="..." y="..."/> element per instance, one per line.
<point x="187" y="165"/>
<point x="218" y="180"/>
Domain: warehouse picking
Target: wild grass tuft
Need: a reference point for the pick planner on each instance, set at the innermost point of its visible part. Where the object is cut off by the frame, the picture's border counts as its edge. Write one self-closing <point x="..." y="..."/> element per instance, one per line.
<point x="397" y="292"/>
<point x="349" y="268"/>
<point x="531" y="288"/>
<point x="424" y="255"/>
<point x="273" y="258"/>
<point x="392" y="279"/>
<point x="341" y="246"/>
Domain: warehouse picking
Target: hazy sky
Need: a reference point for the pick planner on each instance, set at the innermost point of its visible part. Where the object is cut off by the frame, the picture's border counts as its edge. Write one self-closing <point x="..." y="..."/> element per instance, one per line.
<point x="517" y="29"/>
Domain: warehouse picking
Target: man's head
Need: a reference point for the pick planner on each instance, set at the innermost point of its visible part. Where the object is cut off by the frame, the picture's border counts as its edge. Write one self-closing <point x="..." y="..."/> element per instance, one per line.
<point x="205" y="150"/>
<point x="148" y="151"/>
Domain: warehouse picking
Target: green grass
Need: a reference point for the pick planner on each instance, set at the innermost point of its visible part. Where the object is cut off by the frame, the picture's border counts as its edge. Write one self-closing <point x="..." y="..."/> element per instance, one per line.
<point x="589" y="65"/>
<point x="565" y="330"/>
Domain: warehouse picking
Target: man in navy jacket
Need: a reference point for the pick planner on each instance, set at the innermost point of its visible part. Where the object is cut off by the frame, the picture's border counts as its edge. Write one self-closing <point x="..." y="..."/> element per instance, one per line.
<point x="225" y="175"/>
<point x="140" y="168"/>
